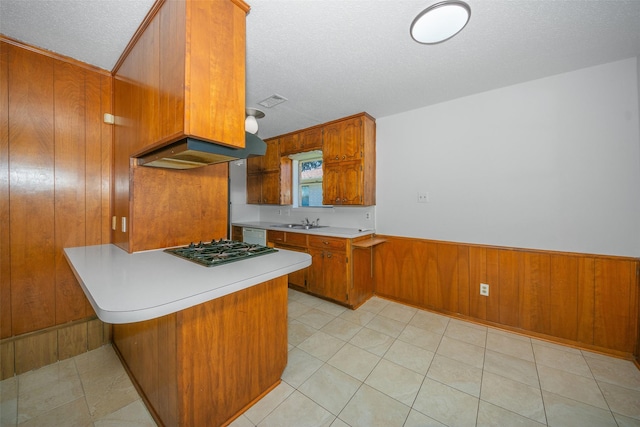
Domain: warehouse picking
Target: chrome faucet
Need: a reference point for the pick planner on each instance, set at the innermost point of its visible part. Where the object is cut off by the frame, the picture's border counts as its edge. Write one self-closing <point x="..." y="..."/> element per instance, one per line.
<point x="307" y="223"/>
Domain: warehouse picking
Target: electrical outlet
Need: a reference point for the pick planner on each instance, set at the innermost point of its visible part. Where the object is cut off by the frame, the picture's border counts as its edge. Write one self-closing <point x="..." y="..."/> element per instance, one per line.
<point x="423" y="197"/>
<point x="279" y="211"/>
<point x="484" y="289"/>
<point x="367" y="216"/>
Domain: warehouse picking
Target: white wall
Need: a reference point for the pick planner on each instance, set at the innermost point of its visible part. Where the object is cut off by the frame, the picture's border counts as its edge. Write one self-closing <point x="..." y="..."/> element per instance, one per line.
<point x="240" y="210"/>
<point x="550" y="164"/>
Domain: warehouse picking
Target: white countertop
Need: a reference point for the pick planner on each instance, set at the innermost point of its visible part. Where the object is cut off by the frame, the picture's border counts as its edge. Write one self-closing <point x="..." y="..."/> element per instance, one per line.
<point x="347" y="233"/>
<point x="126" y="288"/>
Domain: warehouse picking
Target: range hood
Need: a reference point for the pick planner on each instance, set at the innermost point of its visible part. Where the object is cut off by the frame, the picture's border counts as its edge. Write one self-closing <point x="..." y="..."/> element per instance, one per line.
<point x="189" y="153"/>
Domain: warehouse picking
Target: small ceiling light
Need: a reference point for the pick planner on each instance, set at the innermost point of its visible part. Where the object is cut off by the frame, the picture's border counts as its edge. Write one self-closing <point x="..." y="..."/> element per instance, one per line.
<point x="440" y="22"/>
<point x="250" y="123"/>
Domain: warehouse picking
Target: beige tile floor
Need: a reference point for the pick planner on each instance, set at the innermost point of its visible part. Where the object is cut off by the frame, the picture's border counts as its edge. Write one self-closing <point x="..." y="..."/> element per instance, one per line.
<point x="91" y="389"/>
<point x="384" y="364"/>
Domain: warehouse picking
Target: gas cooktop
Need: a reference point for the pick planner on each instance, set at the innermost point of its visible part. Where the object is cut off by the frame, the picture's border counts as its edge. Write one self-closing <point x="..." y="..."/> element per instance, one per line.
<point x="219" y="252"/>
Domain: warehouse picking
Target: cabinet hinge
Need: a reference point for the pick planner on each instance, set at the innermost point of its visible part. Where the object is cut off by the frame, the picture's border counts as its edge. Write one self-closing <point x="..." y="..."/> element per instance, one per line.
<point x="347" y="260"/>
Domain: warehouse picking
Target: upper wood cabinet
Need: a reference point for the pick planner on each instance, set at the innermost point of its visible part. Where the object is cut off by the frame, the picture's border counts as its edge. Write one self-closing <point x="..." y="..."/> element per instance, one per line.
<point x="290" y="144"/>
<point x="343" y="140"/>
<point x="269" y="162"/>
<point x="300" y="142"/>
<point x="349" y="157"/>
<point x="269" y="177"/>
<point x="184" y="75"/>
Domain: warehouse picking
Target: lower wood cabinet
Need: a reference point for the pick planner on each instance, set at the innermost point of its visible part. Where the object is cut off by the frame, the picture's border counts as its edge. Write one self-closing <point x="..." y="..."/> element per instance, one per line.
<point x="340" y="269"/>
<point x="329" y="273"/>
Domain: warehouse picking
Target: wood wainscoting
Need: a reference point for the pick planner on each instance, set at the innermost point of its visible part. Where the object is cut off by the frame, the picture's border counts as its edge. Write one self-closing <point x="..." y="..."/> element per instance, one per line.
<point x="33" y="350"/>
<point x="589" y="301"/>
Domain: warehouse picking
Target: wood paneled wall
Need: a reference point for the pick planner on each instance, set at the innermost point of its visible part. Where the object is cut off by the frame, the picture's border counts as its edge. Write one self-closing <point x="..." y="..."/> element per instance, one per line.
<point x="55" y="171"/>
<point x="586" y="300"/>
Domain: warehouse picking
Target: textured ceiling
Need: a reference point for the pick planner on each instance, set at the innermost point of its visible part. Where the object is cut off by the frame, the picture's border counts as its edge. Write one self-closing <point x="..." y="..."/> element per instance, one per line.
<point x="333" y="58"/>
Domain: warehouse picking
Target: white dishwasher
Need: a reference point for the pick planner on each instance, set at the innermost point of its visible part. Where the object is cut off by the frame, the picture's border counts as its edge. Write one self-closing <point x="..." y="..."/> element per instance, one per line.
<point x="255" y="236"/>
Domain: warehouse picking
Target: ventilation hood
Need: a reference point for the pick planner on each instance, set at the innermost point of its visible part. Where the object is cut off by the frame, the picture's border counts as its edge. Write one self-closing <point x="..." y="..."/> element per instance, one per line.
<point x="189" y="153"/>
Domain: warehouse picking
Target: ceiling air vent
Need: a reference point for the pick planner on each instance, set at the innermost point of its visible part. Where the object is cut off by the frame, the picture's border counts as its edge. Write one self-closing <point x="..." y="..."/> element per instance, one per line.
<point x="272" y="101"/>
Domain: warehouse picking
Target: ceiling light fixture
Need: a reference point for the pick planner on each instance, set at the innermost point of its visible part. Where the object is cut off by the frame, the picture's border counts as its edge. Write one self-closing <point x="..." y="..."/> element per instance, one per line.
<point x="440" y="22"/>
<point x="250" y="123"/>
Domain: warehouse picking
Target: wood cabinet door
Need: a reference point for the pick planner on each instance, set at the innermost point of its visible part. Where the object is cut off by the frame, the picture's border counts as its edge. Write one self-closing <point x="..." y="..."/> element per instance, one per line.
<point x="331" y="151"/>
<point x="297" y="278"/>
<point x="271" y="188"/>
<point x="311" y="139"/>
<point x="335" y="275"/>
<point x="351" y="139"/>
<point x="331" y="183"/>
<point x="271" y="159"/>
<point x="254" y="165"/>
<point x="254" y="189"/>
<point x="315" y="276"/>
<point x="289" y="144"/>
<point x="351" y="183"/>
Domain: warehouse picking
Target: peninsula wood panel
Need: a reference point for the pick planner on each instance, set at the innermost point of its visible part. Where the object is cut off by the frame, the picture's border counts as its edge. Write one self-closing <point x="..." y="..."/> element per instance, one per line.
<point x="244" y="334"/>
<point x="204" y="364"/>
<point x="582" y="299"/>
<point x="5" y="257"/>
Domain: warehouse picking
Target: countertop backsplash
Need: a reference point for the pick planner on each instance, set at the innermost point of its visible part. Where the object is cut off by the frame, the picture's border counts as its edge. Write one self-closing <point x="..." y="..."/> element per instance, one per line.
<point x="347" y="217"/>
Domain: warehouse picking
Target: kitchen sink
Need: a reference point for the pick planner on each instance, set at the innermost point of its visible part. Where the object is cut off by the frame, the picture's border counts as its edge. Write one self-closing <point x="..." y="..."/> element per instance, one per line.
<point x="299" y="226"/>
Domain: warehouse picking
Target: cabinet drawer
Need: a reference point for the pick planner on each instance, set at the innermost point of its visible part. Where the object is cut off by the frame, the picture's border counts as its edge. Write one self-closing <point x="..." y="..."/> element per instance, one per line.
<point x="296" y="239"/>
<point x="324" y="242"/>
<point x="275" y="236"/>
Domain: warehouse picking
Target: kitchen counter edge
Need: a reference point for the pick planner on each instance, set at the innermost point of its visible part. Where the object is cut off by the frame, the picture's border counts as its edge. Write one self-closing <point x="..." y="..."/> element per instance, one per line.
<point x="347" y="233"/>
<point x="127" y="287"/>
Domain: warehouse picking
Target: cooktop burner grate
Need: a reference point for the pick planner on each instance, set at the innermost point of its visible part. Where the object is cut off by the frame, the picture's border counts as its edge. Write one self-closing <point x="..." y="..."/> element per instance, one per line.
<point x="219" y="252"/>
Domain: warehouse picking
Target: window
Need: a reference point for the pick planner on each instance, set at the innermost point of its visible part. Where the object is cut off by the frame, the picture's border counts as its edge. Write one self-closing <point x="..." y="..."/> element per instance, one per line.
<point x="307" y="178"/>
<point x="310" y="182"/>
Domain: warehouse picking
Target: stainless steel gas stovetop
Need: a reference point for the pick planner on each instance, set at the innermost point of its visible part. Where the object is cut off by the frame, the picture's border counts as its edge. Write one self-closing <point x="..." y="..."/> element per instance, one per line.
<point x="219" y="252"/>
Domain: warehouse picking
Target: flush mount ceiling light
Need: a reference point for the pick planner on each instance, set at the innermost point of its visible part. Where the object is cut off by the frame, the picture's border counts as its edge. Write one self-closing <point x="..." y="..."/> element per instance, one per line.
<point x="250" y="123"/>
<point x="440" y="22"/>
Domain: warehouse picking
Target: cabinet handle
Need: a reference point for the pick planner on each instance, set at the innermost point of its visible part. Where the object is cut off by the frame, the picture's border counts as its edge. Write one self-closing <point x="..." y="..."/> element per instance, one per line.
<point x="344" y="157"/>
<point x="337" y="157"/>
<point x="329" y="255"/>
<point x="338" y="199"/>
<point x="325" y="243"/>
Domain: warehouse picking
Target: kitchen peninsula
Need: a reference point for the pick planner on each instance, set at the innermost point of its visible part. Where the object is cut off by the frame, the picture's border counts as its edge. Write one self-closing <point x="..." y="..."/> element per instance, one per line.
<point x="202" y="344"/>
